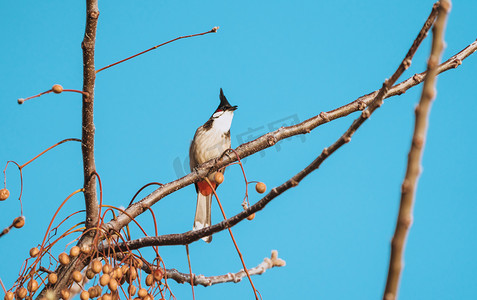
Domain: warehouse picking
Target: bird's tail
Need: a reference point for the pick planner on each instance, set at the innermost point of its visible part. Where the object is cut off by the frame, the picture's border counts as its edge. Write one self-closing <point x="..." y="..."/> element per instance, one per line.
<point x="202" y="214"/>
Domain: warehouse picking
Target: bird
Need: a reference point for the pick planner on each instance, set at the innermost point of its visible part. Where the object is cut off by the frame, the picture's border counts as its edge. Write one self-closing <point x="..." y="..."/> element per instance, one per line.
<point x="210" y="141"/>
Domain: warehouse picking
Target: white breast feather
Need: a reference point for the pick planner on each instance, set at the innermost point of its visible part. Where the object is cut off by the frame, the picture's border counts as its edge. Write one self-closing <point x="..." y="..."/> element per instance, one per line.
<point x="223" y="123"/>
<point x="212" y="143"/>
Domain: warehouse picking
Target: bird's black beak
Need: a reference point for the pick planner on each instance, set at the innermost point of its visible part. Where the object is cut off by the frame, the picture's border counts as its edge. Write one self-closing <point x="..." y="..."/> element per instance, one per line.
<point x="233" y="108"/>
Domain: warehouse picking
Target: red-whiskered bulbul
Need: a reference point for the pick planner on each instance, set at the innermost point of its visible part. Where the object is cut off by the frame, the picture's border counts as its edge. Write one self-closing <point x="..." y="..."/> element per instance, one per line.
<point x="210" y="141"/>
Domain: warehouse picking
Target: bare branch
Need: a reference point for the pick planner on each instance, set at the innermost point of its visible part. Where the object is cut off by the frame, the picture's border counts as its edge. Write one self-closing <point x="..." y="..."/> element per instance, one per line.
<point x="409" y="184"/>
<point x="89" y="76"/>
<point x="266" y="264"/>
<point x="188" y="237"/>
<point x="268" y="139"/>
<point x="89" y="168"/>
<point x="368" y="104"/>
<point x="451" y="63"/>
<point x="191" y="236"/>
<point x="264" y="142"/>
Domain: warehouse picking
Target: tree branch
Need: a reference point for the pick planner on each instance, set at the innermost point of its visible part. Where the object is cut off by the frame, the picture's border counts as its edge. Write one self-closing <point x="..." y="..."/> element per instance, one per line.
<point x="272" y="138"/>
<point x="266" y="264"/>
<point x="89" y="168"/>
<point x="188" y="237"/>
<point x="191" y="236"/>
<point x="409" y="184"/>
<point x="89" y="76"/>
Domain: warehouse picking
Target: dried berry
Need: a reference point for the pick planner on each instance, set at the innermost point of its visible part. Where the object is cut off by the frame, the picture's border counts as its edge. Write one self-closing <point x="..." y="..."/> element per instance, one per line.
<point x="64" y="258"/>
<point x="34" y="252"/>
<point x="96" y="266"/>
<point x="107" y="297"/>
<point x="19" y="222"/>
<point x="32" y="286"/>
<point x="124" y="269"/>
<point x="52" y="278"/>
<point x="142" y="293"/>
<point x="107" y="268"/>
<point x="8" y="296"/>
<point x="77" y="276"/>
<point x="57" y="89"/>
<point x="149" y="280"/>
<point x="84" y="295"/>
<point x="113" y="285"/>
<point x="21" y="292"/>
<point x="157" y="274"/>
<point x="251" y="217"/>
<point x="138" y="263"/>
<point x="90" y="274"/>
<point x="219" y="177"/>
<point x="65" y="294"/>
<point x="131" y="274"/>
<point x="104" y="279"/>
<point x="4" y="194"/>
<point x="94" y="292"/>
<point x="74" y="251"/>
<point x="260" y="187"/>
<point x="117" y="273"/>
<point x="148" y="297"/>
<point x="131" y="290"/>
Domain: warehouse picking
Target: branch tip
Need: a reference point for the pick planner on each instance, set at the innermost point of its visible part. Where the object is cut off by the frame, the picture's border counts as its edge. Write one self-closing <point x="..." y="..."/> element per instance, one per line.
<point x="446" y="5"/>
<point x="277" y="262"/>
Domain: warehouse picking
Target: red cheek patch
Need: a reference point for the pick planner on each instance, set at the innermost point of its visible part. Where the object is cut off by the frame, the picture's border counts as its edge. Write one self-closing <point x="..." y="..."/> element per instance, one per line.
<point x="204" y="187"/>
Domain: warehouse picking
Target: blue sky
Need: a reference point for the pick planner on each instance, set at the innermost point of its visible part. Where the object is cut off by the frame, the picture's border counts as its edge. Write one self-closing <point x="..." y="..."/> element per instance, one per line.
<point x="279" y="61"/>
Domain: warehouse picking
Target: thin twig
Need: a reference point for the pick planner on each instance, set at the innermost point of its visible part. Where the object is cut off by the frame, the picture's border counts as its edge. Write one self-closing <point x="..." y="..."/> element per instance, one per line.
<point x="21" y="100"/>
<point x="48" y="149"/>
<point x="20" y="167"/>
<point x="3" y="287"/>
<point x="404" y="220"/>
<point x="190" y="272"/>
<point x="157" y="46"/>
<point x="21" y="182"/>
<point x="42" y="245"/>
<point x="142" y="188"/>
